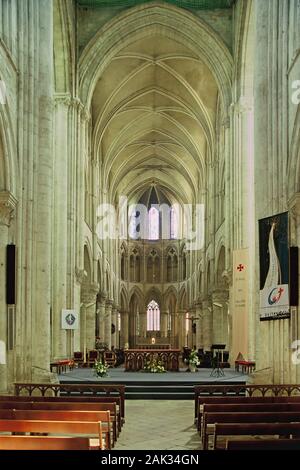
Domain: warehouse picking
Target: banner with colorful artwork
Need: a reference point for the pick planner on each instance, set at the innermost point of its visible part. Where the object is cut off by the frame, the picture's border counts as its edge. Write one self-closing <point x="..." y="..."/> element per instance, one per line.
<point x="274" y="267"/>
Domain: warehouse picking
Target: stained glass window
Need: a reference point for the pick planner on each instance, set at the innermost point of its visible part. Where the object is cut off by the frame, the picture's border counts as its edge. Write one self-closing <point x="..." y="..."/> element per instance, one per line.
<point x="153" y="316"/>
<point x="153" y="224"/>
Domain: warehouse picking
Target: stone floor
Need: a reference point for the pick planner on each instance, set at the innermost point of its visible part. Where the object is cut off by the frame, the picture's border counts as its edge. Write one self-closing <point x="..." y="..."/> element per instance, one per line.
<point x="159" y="425"/>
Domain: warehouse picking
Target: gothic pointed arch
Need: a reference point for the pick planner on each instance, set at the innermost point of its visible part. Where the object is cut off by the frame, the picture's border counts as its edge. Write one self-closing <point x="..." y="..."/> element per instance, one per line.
<point x="182" y="301"/>
<point x="153" y="294"/>
<point x="8" y="163"/>
<point x="144" y="21"/>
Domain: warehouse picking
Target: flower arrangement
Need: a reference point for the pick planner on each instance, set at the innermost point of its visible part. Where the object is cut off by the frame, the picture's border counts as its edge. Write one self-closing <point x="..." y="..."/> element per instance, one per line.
<point x="193" y="358"/>
<point x="155" y="366"/>
<point x="100" y="368"/>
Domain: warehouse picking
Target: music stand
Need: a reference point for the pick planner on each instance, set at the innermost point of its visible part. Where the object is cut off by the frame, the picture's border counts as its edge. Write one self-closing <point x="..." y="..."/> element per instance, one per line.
<point x="217" y="370"/>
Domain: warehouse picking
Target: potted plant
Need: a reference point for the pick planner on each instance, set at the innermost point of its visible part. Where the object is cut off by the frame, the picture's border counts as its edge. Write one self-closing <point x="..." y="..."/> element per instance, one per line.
<point x="193" y="360"/>
<point x="100" y="368"/>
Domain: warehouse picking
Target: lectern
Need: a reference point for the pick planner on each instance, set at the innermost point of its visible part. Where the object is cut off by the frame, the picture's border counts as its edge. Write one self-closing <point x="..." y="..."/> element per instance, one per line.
<point x="217" y="370"/>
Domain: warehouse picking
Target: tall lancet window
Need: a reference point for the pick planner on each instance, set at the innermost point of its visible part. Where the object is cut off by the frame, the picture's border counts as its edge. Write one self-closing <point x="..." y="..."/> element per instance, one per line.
<point x="153" y="316"/>
<point x="153" y="224"/>
<point x="174" y="227"/>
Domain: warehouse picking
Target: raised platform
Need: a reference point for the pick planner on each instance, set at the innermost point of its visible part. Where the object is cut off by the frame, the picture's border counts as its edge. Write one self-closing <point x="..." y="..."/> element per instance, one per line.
<point x="143" y="385"/>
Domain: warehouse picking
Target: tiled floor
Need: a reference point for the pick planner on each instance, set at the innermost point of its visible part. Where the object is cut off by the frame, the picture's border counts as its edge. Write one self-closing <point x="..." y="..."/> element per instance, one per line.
<point x="159" y="425"/>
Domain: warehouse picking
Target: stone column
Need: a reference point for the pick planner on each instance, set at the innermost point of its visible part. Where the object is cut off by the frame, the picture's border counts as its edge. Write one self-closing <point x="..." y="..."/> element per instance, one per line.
<point x="107" y="331"/>
<point x="90" y="325"/>
<point x="143" y="324"/>
<point x="114" y="322"/>
<point x="83" y="346"/>
<point x="101" y="300"/>
<point x="43" y="193"/>
<point x="207" y="324"/>
<point x="192" y="335"/>
<point x="88" y="322"/>
<point x="220" y="317"/>
<point x="199" y="325"/>
<point x="7" y="206"/>
<point x="124" y="329"/>
<point x="182" y="337"/>
<point x="60" y="223"/>
<point x="164" y="324"/>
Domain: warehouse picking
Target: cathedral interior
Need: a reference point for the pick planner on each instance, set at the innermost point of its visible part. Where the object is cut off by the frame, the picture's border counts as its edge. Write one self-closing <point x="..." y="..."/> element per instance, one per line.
<point x="143" y="147"/>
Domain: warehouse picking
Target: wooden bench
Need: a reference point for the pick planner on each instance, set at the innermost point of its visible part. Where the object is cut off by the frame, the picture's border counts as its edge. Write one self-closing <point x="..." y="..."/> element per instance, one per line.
<point x="82" y="390"/>
<point x="68" y="399"/>
<point x="55" y="428"/>
<point x="43" y="443"/>
<point x="243" y="390"/>
<point x="65" y="406"/>
<point x="250" y="407"/>
<point x="239" y="400"/>
<point x="264" y="444"/>
<point x="255" y="429"/>
<point x="54" y="415"/>
<point x="244" y="417"/>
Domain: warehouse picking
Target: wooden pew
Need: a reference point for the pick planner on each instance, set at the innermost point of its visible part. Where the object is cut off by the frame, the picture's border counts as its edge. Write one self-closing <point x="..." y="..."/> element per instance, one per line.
<point x="244" y="417"/>
<point x="67" y="406"/>
<point x="55" y="427"/>
<point x="255" y="429"/>
<point x="43" y="443"/>
<point x="250" y="407"/>
<point x="68" y="399"/>
<point x="243" y="390"/>
<point x="239" y="400"/>
<point x="72" y="390"/>
<point x="52" y="415"/>
<point x="264" y="444"/>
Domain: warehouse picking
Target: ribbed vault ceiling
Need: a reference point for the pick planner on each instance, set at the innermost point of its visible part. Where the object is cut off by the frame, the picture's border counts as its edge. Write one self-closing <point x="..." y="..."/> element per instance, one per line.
<point x="153" y="113"/>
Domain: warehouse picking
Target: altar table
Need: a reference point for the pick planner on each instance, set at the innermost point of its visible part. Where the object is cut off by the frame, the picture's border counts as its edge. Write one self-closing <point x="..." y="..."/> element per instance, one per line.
<point x="135" y="359"/>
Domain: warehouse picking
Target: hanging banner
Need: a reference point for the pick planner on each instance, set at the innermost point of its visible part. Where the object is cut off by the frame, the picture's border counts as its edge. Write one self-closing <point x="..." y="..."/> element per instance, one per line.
<point x="69" y="320"/>
<point x="240" y="293"/>
<point x="274" y="267"/>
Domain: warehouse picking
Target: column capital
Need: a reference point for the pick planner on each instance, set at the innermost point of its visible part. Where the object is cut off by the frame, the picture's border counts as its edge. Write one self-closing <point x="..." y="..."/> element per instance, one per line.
<point x="82" y="109"/>
<point x="80" y="275"/>
<point x="88" y="293"/>
<point x="220" y="296"/>
<point x="62" y="99"/>
<point x="94" y="288"/>
<point x="227" y="276"/>
<point x="226" y="122"/>
<point x="102" y="296"/>
<point x="243" y="105"/>
<point x="109" y="303"/>
<point x="8" y="204"/>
